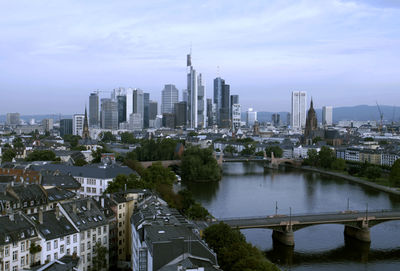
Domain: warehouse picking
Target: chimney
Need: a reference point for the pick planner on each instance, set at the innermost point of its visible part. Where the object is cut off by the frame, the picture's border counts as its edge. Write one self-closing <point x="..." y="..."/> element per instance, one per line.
<point x="74" y="208"/>
<point x="40" y="216"/>
<point x="102" y="202"/>
<point x="58" y="212"/>
<point x="88" y="205"/>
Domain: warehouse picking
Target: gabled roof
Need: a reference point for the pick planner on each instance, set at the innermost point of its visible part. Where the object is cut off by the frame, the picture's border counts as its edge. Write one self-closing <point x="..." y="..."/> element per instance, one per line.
<point x="59" y="180"/>
<point x="56" y="194"/>
<point x="14" y="228"/>
<point x="53" y="228"/>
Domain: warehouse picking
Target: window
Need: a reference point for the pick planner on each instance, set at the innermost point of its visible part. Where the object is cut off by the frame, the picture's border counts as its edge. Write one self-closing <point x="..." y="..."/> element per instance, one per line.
<point x="88" y="257"/>
<point x="62" y="249"/>
<point x="15" y="268"/>
<point x="48" y="244"/>
<point x="75" y="237"/>
<point x="22" y="246"/>
<point x="120" y="206"/>
<point x="48" y="258"/>
<point x="15" y="256"/>
<point x="88" y="234"/>
<point x="75" y="250"/>
<point x="22" y="261"/>
<point x="6" y="251"/>
<point x="88" y="245"/>
<point x="55" y="256"/>
<point x="82" y="236"/>
<point x="55" y="244"/>
<point x="7" y="265"/>
<point x="68" y="240"/>
<point x="104" y="229"/>
<point x="82" y="247"/>
<point x="105" y="240"/>
<point x="120" y="224"/>
<point x="94" y="238"/>
<point x="119" y="215"/>
<point x="93" y="190"/>
<point x="99" y="230"/>
<point x="68" y="251"/>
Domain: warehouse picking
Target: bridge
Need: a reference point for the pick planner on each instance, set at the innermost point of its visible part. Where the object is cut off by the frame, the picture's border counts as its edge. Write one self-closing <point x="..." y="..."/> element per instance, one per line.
<point x="273" y="162"/>
<point x="357" y="223"/>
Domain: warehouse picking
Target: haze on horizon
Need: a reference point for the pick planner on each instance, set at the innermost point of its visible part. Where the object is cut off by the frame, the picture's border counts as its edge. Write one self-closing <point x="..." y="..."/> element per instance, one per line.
<point x="342" y="52"/>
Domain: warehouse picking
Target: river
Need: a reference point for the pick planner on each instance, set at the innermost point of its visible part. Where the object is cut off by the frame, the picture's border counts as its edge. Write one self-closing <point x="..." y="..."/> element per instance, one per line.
<point x="246" y="189"/>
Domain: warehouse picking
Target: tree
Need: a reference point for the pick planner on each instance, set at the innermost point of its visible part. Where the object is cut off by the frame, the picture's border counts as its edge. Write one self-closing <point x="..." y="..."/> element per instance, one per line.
<point x="326" y="157"/>
<point x="373" y="172"/>
<point x="197" y="212"/>
<point x="249" y="149"/>
<point x="107" y="137"/>
<point x="128" y="138"/>
<point x="80" y="162"/>
<point x="339" y="164"/>
<point x="230" y="149"/>
<point x="122" y="181"/>
<point x="199" y="165"/>
<point x="278" y="152"/>
<point x="99" y="257"/>
<point x="41" y="155"/>
<point x="8" y="155"/>
<point x="157" y="174"/>
<point x="312" y="158"/>
<point x="316" y="139"/>
<point x="17" y="143"/>
<point x="394" y="176"/>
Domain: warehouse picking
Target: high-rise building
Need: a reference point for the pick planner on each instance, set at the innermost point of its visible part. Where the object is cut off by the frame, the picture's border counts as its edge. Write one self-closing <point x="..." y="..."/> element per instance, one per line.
<point x="185" y="96"/>
<point x="251" y="117"/>
<point x="146" y="109"/>
<point x="77" y="124"/>
<point x="168" y="120"/>
<point x="117" y="92"/>
<point x="94" y="110"/>
<point x="234" y="100"/>
<point x="288" y="119"/>
<point x="109" y="114"/>
<point x="48" y="124"/>
<point x="180" y="114"/>
<point x="121" y="101"/>
<point x="136" y="121"/>
<point x="276" y="119"/>
<point x="201" y="103"/>
<point x="13" y="118"/>
<point x="192" y="89"/>
<point x="138" y="102"/>
<point x="129" y="103"/>
<point x="327" y="118"/>
<point x="299" y="100"/>
<point x="65" y="127"/>
<point x="236" y="116"/>
<point x="222" y="101"/>
<point x="169" y="97"/>
<point x="209" y="113"/>
<point x="153" y="110"/>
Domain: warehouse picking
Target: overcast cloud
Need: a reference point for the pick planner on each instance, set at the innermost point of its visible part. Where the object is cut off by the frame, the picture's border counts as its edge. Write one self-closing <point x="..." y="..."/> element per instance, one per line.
<point x="54" y="53"/>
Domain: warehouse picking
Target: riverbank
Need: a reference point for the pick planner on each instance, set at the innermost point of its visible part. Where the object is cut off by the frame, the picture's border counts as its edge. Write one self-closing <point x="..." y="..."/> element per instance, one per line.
<point x="390" y="190"/>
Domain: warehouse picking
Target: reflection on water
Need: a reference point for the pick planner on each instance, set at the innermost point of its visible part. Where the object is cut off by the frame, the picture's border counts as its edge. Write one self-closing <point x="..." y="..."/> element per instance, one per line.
<point x="247" y="189"/>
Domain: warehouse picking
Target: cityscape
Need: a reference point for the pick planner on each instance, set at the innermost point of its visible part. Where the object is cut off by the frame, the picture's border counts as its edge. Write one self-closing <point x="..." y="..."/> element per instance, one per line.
<point x="178" y="165"/>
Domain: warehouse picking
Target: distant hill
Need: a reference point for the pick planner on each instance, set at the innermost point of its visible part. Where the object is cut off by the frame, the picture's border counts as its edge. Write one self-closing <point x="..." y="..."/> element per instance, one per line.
<point x="37" y="118"/>
<point x="359" y="112"/>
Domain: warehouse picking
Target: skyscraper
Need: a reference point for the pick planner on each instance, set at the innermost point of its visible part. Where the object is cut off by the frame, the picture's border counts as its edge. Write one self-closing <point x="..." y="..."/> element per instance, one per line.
<point x="234" y="100"/>
<point x="138" y="102"/>
<point x="12" y="118"/>
<point x="185" y="95"/>
<point x="298" y="114"/>
<point x="276" y="119"/>
<point x="201" y="103"/>
<point x="109" y="114"/>
<point x="77" y="124"/>
<point x="180" y="114"/>
<point x="192" y="89"/>
<point x="236" y="116"/>
<point x="327" y="112"/>
<point x="146" y="109"/>
<point x="251" y="117"/>
<point x="129" y="103"/>
<point x="153" y="110"/>
<point x="222" y="101"/>
<point x="209" y="113"/>
<point x="121" y="101"/>
<point x="65" y="127"/>
<point x="94" y="110"/>
<point x="169" y="97"/>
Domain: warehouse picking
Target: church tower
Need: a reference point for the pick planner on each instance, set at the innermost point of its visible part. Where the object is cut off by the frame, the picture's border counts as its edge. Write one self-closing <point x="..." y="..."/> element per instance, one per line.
<point x="85" y="132"/>
<point x="311" y="124"/>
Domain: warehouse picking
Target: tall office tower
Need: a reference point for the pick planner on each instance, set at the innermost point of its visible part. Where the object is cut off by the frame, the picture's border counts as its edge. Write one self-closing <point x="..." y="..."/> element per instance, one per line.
<point x="153" y="110"/>
<point x="169" y="97"/>
<point x="288" y="119"/>
<point x="236" y="116"/>
<point x="299" y="100"/>
<point x="65" y="127"/>
<point x="327" y="112"/>
<point x="168" y="120"/>
<point x="201" y="103"/>
<point x="47" y="124"/>
<point x="117" y="92"/>
<point x="146" y="109"/>
<point x="185" y="96"/>
<point x="77" y="124"/>
<point x="251" y="117"/>
<point x="222" y="101"/>
<point x="109" y="114"/>
<point x="138" y="103"/>
<point x="234" y="100"/>
<point x="94" y="110"/>
<point x="129" y="103"/>
<point x="209" y="113"/>
<point x="13" y="118"/>
<point x="121" y="102"/>
<point x="136" y="121"/>
<point x="192" y="89"/>
<point x="180" y="114"/>
<point x="276" y="119"/>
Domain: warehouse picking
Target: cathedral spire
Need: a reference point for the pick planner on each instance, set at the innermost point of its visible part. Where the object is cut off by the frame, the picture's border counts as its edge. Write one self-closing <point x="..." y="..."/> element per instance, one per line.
<point x="85" y="132"/>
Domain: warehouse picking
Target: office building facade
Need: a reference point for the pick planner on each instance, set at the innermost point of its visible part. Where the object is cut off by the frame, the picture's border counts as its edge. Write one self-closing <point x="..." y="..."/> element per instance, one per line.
<point x="298" y="110"/>
<point x="12" y="118"/>
<point x="109" y="114"/>
<point x="327" y="115"/>
<point x="251" y="117"/>
<point x="153" y="110"/>
<point x="121" y="101"/>
<point x="94" y="116"/>
<point x="180" y="114"/>
<point x="77" y="124"/>
<point x="169" y="97"/>
<point x="65" y="127"/>
<point x="146" y="109"/>
<point x="236" y="116"/>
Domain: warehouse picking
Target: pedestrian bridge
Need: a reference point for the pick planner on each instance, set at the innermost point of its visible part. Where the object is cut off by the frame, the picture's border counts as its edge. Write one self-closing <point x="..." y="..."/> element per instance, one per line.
<point x="357" y="223"/>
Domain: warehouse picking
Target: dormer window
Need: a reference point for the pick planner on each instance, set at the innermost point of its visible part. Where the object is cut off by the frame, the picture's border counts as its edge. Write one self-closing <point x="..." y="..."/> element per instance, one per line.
<point x="22" y="235"/>
<point x="7" y="239"/>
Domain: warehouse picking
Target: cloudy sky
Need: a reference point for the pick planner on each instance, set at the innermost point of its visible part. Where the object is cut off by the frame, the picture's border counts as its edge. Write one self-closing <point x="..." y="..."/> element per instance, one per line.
<point x="342" y="52"/>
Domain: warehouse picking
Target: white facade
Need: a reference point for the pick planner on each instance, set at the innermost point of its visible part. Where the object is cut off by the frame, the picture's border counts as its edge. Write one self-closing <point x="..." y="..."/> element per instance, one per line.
<point x="77" y="124"/>
<point x="327" y="118"/>
<point x="236" y="116"/>
<point x="251" y="117"/>
<point x="91" y="187"/>
<point x="57" y="248"/>
<point x="169" y="96"/>
<point x="298" y="113"/>
<point x="129" y="103"/>
<point x="136" y="121"/>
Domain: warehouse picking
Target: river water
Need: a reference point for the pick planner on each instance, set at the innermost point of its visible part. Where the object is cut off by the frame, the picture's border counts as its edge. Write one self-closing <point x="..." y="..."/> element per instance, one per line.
<point x="246" y="189"/>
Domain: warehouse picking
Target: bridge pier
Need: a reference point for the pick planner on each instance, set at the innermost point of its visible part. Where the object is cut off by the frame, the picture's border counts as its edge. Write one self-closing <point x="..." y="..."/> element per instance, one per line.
<point x="284" y="237"/>
<point x="362" y="234"/>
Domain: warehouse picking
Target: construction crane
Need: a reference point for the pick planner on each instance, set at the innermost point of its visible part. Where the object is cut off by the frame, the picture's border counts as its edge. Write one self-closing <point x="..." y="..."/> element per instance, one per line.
<point x="380" y="116"/>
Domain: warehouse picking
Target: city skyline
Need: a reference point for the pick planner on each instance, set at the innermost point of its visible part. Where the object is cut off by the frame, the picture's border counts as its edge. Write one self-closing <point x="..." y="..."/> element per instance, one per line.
<point x="338" y="51"/>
